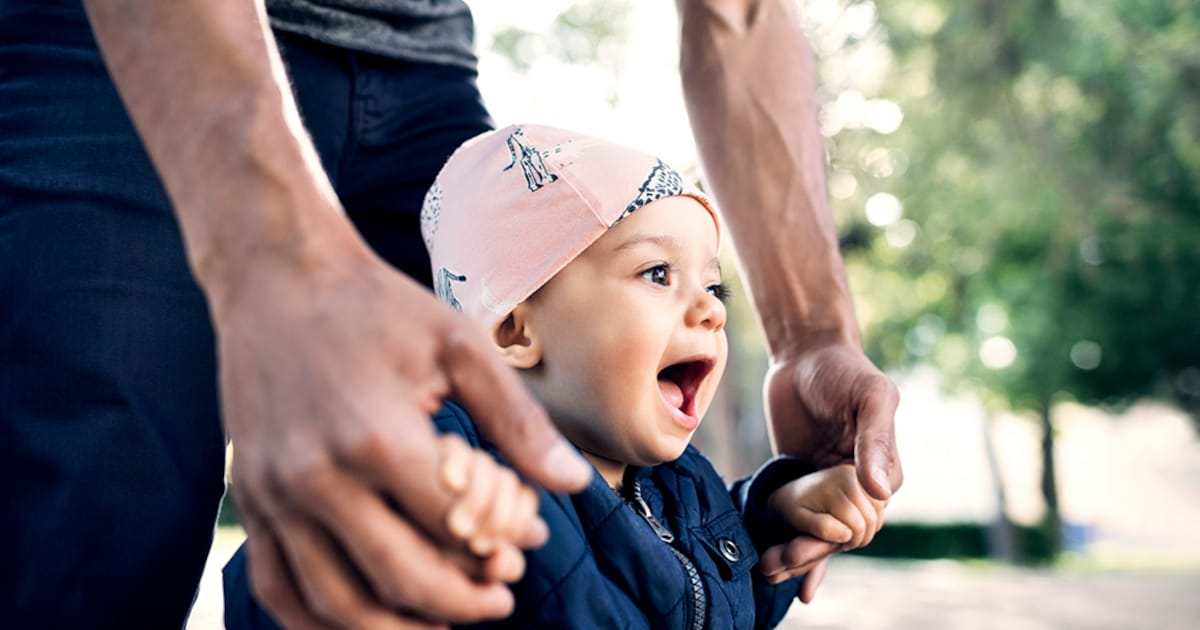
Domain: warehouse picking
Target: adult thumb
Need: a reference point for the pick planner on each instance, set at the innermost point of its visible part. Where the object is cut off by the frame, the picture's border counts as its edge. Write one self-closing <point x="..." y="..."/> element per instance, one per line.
<point x="876" y="456"/>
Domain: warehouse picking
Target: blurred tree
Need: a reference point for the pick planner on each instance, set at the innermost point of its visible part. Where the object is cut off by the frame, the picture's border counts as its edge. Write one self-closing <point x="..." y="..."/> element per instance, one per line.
<point x="1018" y="184"/>
<point x="1033" y="227"/>
<point x="585" y="33"/>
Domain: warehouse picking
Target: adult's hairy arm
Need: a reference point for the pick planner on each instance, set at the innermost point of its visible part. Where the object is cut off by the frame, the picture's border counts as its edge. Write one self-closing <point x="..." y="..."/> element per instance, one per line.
<point x="749" y="81"/>
<point x="331" y="362"/>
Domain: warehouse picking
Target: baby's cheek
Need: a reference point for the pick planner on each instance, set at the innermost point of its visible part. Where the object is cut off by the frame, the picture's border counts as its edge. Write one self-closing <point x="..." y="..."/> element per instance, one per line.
<point x="704" y="398"/>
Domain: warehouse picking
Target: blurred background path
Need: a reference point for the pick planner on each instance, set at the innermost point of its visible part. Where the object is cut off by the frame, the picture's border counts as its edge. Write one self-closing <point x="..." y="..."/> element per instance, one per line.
<point x="866" y="594"/>
<point x="872" y="594"/>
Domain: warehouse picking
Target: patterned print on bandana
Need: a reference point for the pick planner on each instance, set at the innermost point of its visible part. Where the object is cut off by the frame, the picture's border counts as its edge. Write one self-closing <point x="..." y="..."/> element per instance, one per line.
<point x="431" y="210"/>
<point x="662" y="182"/>
<point x="445" y="290"/>
<point x="532" y="165"/>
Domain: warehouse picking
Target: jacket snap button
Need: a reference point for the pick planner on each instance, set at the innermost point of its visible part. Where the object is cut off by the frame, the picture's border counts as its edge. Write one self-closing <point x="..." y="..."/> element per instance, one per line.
<point x="729" y="550"/>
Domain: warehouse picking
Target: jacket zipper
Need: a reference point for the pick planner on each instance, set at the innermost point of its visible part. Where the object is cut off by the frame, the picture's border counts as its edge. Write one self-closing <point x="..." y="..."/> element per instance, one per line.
<point x="697" y="584"/>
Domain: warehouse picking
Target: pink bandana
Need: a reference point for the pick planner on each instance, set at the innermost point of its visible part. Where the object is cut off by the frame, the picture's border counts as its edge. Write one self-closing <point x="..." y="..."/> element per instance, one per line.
<point x="512" y="207"/>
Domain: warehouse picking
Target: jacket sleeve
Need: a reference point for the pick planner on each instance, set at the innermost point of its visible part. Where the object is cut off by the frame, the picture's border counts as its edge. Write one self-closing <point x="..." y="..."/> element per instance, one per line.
<point x="566" y="593"/>
<point x="750" y="496"/>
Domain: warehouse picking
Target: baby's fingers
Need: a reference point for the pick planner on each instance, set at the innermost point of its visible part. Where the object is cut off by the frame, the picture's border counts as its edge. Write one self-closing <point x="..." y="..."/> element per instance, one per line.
<point x="464" y="517"/>
<point x="506" y="564"/>
<point x="820" y="525"/>
<point x="492" y="507"/>
<point x="454" y="455"/>
<point x="511" y="518"/>
<point x="530" y="531"/>
<point x="866" y="515"/>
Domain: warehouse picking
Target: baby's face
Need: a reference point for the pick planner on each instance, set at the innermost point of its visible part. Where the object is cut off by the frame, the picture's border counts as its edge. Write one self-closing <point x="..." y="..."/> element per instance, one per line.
<point x="633" y="336"/>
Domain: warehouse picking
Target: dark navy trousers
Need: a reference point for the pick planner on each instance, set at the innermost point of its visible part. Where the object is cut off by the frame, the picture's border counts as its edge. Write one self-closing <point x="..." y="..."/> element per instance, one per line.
<point x="111" y="449"/>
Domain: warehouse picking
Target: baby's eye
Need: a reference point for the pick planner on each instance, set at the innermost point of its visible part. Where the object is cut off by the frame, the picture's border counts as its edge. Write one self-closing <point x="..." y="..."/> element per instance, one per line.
<point x="658" y="274"/>
<point x="719" y="291"/>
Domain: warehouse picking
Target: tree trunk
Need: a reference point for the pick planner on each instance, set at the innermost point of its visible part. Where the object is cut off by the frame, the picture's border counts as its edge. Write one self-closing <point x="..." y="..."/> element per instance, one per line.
<point x="1001" y="539"/>
<point x="1052" y="524"/>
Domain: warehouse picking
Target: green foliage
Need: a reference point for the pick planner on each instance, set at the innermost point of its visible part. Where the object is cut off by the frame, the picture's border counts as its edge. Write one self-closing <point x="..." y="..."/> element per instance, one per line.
<point x="923" y="541"/>
<point x="587" y="32"/>
<point x="1049" y="171"/>
<point x="228" y="515"/>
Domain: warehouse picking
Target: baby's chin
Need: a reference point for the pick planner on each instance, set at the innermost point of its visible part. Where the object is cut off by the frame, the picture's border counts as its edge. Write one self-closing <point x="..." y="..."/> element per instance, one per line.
<point x="666" y="453"/>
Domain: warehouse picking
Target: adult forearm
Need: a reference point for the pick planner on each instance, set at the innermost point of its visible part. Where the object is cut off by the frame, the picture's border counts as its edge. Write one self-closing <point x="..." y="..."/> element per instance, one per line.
<point x="205" y="87"/>
<point x="749" y="80"/>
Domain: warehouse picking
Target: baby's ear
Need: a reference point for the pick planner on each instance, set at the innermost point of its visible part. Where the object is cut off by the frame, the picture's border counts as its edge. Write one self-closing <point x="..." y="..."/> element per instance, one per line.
<point x="516" y="339"/>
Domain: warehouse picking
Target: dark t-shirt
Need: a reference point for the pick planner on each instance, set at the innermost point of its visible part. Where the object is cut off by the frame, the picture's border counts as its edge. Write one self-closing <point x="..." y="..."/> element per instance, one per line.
<point x="425" y="31"/>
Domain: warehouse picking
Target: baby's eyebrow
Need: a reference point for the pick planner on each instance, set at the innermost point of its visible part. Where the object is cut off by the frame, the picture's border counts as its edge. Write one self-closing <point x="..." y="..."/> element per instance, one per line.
<point x="663" y="241"/>
<point x="669" y="243"/>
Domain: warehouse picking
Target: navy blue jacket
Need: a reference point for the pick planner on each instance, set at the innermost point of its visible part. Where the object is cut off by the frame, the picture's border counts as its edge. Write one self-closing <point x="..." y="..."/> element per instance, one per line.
<point x="608" y="563"/>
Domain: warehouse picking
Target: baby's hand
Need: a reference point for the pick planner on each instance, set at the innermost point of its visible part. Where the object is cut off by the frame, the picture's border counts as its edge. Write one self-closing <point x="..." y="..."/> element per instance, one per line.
<point x="493" y="512"/>
<point x="830" y="504"/>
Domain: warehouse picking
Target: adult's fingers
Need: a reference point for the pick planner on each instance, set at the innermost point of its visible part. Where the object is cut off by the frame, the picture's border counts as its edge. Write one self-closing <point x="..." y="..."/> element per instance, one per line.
<point x="270" y="579"/>
<point x="794" y="557"/>
<point x="876" y="457"/>
<point x="808" y="590"/>
<point x="330" y="588"/>
<point x="511" y="418"/>
<point x="404" y="568"/>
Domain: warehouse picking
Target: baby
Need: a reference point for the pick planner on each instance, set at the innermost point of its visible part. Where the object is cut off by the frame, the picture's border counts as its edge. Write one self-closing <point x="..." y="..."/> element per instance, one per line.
<point x="595" y="268"/>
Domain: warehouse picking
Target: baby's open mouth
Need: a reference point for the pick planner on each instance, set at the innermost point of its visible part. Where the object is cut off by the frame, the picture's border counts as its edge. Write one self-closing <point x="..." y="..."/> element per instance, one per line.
<point x="679" y="382"/>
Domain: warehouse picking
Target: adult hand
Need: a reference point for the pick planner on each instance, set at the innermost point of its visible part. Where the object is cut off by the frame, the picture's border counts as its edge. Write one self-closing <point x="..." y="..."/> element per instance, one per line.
<point x="329" y="376"/>
<point x="830" y="405"/>
<point x="803" y="555"/>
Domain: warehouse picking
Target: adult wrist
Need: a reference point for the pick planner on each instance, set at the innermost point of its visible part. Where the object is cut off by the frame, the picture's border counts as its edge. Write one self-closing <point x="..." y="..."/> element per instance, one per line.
<point x="273" y="239"/>
<point x="801" y="311"/>
<point x="262" y="201"/>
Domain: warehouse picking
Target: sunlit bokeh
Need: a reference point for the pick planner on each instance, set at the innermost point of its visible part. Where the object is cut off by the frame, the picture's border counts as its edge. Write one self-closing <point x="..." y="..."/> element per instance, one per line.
<point x="1016" y="186"/>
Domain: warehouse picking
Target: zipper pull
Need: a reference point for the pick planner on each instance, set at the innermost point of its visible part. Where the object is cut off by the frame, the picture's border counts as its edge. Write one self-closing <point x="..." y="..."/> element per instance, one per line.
<point x="641" y="507"/>
<point x="660" y="529"/>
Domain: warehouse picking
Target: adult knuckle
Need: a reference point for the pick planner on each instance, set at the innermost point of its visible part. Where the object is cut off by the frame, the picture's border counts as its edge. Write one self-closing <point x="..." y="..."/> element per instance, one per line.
<point x="407" y="589"/>
<point x="455" y="346"/>
<point x="369" y="443"/>
<point x="794" y="555"/>
<point x="269" y="589"/>
<point x="304" y="473"/>
<point x="878" y="386"/>
<point x="398" y="583"/>
<point x="331" y="604"/>
<point x="888" y="391"/>
<point x="248" y="476"/>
